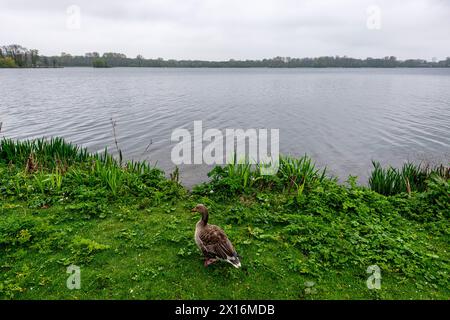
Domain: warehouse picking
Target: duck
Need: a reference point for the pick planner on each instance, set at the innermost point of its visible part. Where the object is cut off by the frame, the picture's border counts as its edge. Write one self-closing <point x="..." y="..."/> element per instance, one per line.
<point x="212" y="241"/>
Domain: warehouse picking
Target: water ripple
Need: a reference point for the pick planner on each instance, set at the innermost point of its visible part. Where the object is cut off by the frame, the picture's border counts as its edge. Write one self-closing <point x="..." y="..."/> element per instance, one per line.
<point x="344" y="118"/>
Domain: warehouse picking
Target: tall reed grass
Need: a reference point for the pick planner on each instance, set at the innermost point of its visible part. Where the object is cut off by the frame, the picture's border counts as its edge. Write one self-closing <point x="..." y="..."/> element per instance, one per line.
<point x="299" y="172"/>
<point x="292" y="174"/>
<point x="50" y="160"/>
<point x="47" y="153"/>
<point x="409" y="178"/>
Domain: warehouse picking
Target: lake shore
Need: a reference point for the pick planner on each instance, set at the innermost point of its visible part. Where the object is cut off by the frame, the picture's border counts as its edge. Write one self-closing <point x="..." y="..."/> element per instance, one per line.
<point x="301" y="235"/>
<point x="343" y="118"/>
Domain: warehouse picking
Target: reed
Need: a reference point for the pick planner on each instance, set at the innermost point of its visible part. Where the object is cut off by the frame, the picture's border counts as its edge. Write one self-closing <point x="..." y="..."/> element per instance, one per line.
<point x="56" y="179"/>
<point x="43" y="152"/>
<point x="411" y="177"/>
<point x="110" y="174"/>
<point x="41" y="179"/>
<point x="139" y="167"/>
<point x="50" y="160"/>
<point x="241" y="170"/>
<point x="385" y="181"/>
<point x="299" y="172"/>
<point x="175" y="175"/>
<point x="292" y="174"/>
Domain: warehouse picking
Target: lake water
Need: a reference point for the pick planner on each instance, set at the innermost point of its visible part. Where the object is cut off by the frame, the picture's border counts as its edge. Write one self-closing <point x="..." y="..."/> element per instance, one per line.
<point x="343" y="118"/>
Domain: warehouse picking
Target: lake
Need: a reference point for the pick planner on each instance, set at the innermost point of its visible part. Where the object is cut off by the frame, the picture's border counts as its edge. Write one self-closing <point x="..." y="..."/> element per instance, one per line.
<point x="343" y="118"/>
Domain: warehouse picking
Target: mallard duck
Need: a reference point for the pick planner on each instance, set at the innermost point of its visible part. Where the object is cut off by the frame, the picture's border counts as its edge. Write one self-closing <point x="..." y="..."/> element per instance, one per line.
<point x="212" y="241"/>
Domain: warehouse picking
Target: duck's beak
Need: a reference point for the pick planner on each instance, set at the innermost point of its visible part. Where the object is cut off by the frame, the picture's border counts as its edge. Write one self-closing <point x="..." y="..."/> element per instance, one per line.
<point x="194" y="210"/>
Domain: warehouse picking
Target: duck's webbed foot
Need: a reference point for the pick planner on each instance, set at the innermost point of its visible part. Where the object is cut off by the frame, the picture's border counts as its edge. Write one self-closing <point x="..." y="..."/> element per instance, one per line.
<point x="209" y="261"/>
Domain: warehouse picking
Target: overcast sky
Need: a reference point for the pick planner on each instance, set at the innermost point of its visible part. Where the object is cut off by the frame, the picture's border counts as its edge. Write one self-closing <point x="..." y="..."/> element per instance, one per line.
<point x="225" y="29"/>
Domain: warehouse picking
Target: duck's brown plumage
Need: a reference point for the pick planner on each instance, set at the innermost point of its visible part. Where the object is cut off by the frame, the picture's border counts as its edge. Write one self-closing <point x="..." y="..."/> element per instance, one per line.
<point x="212" y="240"/>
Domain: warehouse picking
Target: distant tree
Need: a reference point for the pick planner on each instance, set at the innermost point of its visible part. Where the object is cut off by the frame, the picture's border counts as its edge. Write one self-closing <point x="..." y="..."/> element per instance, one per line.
<point x="17" y="53"/>
<point x="24" y="58"/>
<point x="45" y="61"/>
<point x="99" y="63"/>
<point x="115" y="59"/>
<point x="7" y="62"/>
<point x="139" y="59"/>
<point x="92" y="55"/>
<point x="113" y="55"/>
<point x="34" y="56"/>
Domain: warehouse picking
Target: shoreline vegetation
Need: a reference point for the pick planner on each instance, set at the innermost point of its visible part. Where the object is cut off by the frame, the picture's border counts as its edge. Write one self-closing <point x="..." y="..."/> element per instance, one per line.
<point x="301" y="235"/>
<point x="17" y="56"/>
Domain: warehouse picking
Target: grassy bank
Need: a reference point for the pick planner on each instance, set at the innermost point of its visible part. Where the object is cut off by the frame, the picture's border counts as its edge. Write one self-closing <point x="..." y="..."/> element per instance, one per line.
<point x="301" y="235"/>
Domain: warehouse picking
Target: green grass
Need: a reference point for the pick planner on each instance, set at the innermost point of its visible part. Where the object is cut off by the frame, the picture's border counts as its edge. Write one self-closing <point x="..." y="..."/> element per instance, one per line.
<point x="131" y="231"/>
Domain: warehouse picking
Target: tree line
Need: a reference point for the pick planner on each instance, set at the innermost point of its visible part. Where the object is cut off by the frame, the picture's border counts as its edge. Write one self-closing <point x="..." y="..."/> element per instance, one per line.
<point x="18" y="56"/>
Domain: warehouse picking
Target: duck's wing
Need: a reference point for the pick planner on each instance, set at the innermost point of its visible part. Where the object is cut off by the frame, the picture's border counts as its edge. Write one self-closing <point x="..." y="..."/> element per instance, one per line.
<point x="217" y="244"/>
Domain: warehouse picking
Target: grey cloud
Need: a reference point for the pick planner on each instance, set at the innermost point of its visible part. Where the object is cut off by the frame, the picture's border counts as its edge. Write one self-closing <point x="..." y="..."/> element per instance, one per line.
<point x="223" y="29"/>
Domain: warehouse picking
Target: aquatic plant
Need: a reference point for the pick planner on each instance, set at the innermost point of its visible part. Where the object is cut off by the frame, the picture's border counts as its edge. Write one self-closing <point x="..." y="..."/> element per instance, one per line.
<point x="409" y="178"/>
<point x="240" y="170"/>
<point x="110" y="175"/>
<point x="41" y="152"/>
<point x="299" y="172"/>
<point x="56" y="179"/>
